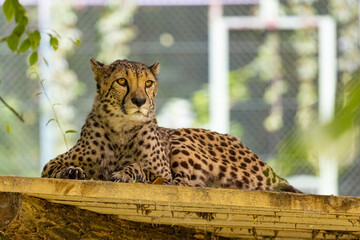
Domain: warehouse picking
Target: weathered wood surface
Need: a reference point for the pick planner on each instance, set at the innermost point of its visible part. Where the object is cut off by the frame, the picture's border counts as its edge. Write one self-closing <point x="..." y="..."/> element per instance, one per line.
<point x="234" y="213"/>
<point x="23" y="217"/>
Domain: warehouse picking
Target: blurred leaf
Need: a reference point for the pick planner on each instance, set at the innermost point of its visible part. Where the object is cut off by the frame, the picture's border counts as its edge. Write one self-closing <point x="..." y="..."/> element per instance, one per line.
<point x="18" y="30"/>
<point x="33" y="58"/>
<point x="136" y="182"/>
<point x="23" y="21"/>
<point x="76" y="42"/>
<point x="46" y="62"/>
<point x="34" y="38"/>
<point x="301" y="148"/>
<point x="200" y="105"/>
<point x="70" y="131"/>
<point x="14" y="39"/>
<point x="20" y="13"/>
<point x="24" y="46"/>
<point x="54" y="42"/>
<point x="12" y="42"/>
<point x="9" y="9"/>
<point x="48" y="122"/>
<point x="13" y="8"/>
<point x="56" y="33"/>
<point x="39" y="93"/>
<point x="8" y="128"/>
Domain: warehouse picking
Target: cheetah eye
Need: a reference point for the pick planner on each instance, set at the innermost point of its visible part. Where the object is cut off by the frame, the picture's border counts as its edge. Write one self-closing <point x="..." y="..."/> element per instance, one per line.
<point x="121" y="81"/>
<point x="149" y="83"/>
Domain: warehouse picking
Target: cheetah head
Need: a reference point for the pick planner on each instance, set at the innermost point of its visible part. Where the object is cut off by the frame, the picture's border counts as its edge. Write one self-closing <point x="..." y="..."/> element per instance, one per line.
<point x="126" y="89"/>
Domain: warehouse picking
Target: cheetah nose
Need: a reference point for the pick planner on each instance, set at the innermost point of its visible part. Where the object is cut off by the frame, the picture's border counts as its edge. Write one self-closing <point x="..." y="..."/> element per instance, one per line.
<point x="138" y="101"/>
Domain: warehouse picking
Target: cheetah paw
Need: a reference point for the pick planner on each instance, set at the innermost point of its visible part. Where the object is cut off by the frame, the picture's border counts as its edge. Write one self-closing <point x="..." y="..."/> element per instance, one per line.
<point x="120" y="177"/>
<point x="73" y="173"/>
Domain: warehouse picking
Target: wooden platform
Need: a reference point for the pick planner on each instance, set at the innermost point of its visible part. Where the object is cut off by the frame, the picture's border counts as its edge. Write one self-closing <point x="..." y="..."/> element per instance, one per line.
<point x="227" y="213"/>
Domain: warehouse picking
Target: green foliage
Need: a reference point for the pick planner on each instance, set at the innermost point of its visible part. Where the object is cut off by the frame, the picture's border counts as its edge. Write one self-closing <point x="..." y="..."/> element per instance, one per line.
<point x="16" y="41"/>
<point x="70" y="131"/>
<point x="35" y="39"/>
<point x="33" y="58"/>
<point x="293" y="154"/>
<point x="76" y="42"/>
<point x="238" y="92"/>
<point x="54" y="42"/>
<point x="23" y="39"/>
<point x="12" y="8"/>
<point x="238" y="84"/>
<point x="200" y="103"/>
<point x="19" y="155"/>
<point x="347" y="115"/>
<point x="25" y="45"/>
<point x="50" y="120"/>
<point x="335" y="138"/>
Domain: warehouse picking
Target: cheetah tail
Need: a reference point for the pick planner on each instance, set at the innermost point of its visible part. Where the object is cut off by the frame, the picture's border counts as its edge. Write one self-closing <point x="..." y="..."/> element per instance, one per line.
<point x="284" y="186"/>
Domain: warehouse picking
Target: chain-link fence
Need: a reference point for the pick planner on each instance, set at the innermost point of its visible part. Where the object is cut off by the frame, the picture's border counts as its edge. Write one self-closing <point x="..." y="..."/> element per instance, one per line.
<point x="271" y="97"/>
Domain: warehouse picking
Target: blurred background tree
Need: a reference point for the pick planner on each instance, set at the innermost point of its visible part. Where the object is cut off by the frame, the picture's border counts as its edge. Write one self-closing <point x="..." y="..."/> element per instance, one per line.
<point x="287" y="62"/>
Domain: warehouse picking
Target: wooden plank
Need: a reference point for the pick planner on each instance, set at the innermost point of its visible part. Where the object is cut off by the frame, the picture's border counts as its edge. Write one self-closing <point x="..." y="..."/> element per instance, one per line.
<point x="276" y="215"/>
<point x="175" y="195"/>
<point x="287" y="214"/>
<point x="275" y="221"/>
<point x="26" y="217"/>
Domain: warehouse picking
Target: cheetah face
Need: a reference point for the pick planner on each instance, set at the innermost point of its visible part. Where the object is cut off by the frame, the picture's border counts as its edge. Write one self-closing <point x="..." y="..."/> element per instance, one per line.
<point x="126" y="89"/>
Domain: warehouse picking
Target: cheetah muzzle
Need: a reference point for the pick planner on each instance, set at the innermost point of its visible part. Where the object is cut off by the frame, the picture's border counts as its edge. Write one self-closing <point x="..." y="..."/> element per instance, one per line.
<point x="121" y="141"/>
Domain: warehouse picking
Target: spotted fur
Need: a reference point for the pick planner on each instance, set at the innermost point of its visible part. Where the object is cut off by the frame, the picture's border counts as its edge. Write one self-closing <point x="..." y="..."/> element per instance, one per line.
<point x="121" y="141"/>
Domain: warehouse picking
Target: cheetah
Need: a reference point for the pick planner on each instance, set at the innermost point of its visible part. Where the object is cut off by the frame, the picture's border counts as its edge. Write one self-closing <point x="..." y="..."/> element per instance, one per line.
<point x="121" y="141"/>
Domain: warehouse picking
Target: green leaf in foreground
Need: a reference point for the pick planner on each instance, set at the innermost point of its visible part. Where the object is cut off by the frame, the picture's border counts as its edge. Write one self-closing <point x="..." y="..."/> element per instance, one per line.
<point x="46" y="62"/>
<point x="70" y="131"/>
<point x="24" y="46"/>
<point x="34" y="38"/>
<point x="54" y="42"/>
<point x="9" y="9"/>
<point x="12" y="42"/>
<point x="33" y="58"/>
<point x="51" y="120"/>
<point x="20" y="14"/>
<point x="76" y="42"/>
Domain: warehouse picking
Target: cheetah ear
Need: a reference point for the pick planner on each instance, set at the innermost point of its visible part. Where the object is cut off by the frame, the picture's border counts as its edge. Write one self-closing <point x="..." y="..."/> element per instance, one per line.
<point x="97" y="68"/>
<point x="155" y="68"/>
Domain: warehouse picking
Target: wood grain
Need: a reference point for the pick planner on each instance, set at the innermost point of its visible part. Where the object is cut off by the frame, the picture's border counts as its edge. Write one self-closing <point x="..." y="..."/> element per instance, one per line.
<point x="219" y="212"/>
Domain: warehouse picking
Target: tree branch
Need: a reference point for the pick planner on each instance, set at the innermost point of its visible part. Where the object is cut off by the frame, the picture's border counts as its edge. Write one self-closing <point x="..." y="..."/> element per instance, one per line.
<point x="12" y="110"/>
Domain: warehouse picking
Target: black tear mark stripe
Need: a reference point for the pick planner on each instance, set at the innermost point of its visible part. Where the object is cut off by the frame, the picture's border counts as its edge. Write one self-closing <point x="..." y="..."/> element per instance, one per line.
<point x="146" y="92"/>
<point x="123" y="101"/>
<point x="108" y="92"/>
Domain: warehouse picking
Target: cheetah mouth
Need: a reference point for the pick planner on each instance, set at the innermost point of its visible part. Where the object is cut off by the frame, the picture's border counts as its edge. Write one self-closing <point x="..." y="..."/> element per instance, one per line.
<point x="137" y="111"/>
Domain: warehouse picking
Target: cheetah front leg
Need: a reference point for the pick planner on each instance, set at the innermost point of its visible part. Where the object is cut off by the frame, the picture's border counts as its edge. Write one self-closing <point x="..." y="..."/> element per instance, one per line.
<point x="72" y="173"/>
<point x="131" y="173"/>
<point x="54" y="169"/>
